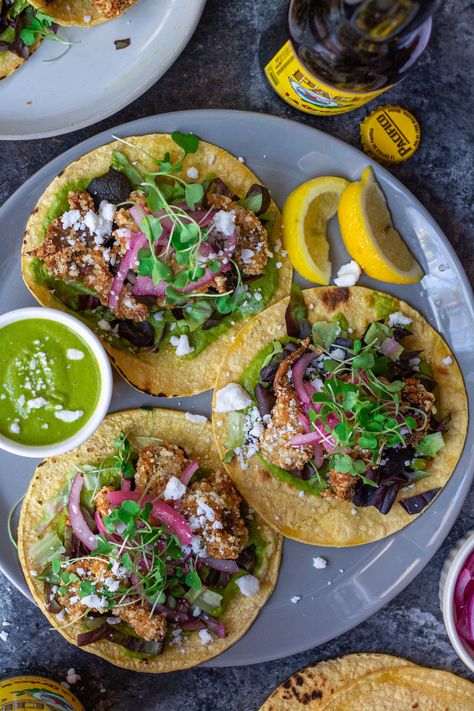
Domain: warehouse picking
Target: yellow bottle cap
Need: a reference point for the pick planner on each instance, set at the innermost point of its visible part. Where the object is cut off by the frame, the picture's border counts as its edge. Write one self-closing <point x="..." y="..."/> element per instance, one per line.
<point x="390" y="134"/>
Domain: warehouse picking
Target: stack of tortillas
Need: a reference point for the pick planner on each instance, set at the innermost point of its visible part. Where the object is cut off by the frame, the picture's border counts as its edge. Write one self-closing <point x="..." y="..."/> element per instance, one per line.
<point x="371" y="682"/>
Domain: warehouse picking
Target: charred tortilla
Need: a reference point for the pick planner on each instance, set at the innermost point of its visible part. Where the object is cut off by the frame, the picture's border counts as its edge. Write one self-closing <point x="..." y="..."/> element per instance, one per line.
<point x="292" y="508"/>
<point x="371" y="681"/>
<point x="143" y="427"/>
<point x="162" y="371"/>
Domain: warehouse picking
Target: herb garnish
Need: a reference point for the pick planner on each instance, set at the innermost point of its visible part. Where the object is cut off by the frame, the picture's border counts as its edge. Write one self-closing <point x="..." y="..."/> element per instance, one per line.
<point x="360" y="410"/>
<point x="164" y="190"/>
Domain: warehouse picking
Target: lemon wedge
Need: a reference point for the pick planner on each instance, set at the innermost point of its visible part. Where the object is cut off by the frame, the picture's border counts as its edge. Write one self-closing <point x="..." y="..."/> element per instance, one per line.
<point x="306" y="213"/>
<point x="369" y="235"/>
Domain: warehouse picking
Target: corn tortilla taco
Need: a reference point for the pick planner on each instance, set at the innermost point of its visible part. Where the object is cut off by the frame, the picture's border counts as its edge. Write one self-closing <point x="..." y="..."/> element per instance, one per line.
<point x="14" y="18"/>
<point x="137" y="547"/>
<point x="163" y="245"/>
<point x="371" y="681"/>
<point x="340" y="414"/>
<point x="83" y="12"/>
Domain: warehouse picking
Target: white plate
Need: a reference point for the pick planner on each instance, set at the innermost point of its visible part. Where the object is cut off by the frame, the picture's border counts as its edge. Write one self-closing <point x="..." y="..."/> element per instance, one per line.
<point x="94" y="79"/>
<point x="359" y="580"/>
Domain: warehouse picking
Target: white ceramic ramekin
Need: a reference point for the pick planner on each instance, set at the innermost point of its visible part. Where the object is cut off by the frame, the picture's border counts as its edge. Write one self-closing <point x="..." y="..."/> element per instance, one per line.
<point x="36" y="312"/>
<point x="449" y="575"/>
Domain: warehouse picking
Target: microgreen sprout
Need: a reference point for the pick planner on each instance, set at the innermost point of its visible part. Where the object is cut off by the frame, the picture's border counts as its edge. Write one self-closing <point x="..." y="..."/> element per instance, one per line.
<point x="361" y="411"/>
<point x="123" y="456"/>
<point x="42" y="26"/>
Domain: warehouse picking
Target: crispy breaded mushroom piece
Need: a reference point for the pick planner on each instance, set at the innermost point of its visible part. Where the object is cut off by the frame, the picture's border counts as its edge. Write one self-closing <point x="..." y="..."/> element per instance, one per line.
<point x="212" y="507"/>
<point x="341" y="485"/>
<point x="414" y="393"/>
<point x="284" y="423"/>
<point x="156" y="465"/>
<point x="148" y="627"/>
<point x="113" y="8"/>
<point x="251" y="236"/>
<point x="72" y="255"/>
<point x="102" y="504"/>
<point x="80" y="200"/>
<point x="86" y="569"/>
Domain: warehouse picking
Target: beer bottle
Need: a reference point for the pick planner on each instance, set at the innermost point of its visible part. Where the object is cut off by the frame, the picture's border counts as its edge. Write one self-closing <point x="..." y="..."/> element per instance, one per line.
<point x="332" y="56"/>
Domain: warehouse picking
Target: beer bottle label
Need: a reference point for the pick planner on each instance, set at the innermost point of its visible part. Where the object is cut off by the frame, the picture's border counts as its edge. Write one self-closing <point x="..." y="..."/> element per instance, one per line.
<point x="299" y="88"/>
<point x="36" y="692"/>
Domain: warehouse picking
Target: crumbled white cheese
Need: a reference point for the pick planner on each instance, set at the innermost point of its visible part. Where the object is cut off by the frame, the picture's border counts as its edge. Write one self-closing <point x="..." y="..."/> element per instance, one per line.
<point x="319" y="563"/>
<point x="247" y="255"/>
<point x="99" y="224"/>
<point x="70" y="218"/>
<point x="301" y="494"/>
<point x="398" y="319"/>
<point x="87" y="19"/>
<point x="182" y="345"/>
<point x="74" y="354"/>
<point x="338" y="354"/>
<point x="158" y="315"/>
<point x="205" y="636"/>
<point x="176" y="637"/>
<point x="192" y="173"/>
<point x="111" y="584"/>
<point x="232" y="397"/>
<point x="348" y="274"/>
<point x="447" y="361"/>
<point x="68" y="415"/>
<point x="174" y="490"/>
<point x="224" y="222"/>
<point x="248" y="585"/>
<point x="71" y="676"/>
<point x="196" y="546"/>
<point x="104" y="325"/>
<point x="94" y="601"/>
<point x="118" y="570"/>
<point x="354" y="511"/>
<point x="15" y="428"/>
<point x="205" y="510"/>
<point x="241" y="160"/>
<point x="113" y="620"/>
<point x="195" y="418"/>
<point x="295" y="599"/>
<point x="107" y="211"/>
<point x="36" y="402"/>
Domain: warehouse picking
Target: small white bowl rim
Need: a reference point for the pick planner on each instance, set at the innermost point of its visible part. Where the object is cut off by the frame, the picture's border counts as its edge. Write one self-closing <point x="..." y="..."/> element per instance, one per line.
<point x="103" y="403"/>
<point x="448" y="601"/>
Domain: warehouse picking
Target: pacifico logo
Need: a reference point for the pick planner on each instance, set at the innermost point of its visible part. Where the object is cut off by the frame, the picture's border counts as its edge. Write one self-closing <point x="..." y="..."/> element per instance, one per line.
<point x="403" y="144"/>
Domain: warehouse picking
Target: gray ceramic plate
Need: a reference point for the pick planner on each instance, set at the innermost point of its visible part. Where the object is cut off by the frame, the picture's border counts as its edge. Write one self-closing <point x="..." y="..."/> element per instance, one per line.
<point x="41" y="100"/>
<point x="357" y="581"/>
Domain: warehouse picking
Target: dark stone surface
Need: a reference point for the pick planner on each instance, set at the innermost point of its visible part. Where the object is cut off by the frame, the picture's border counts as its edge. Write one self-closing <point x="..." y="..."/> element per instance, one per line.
<point x="219" y="69"/>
